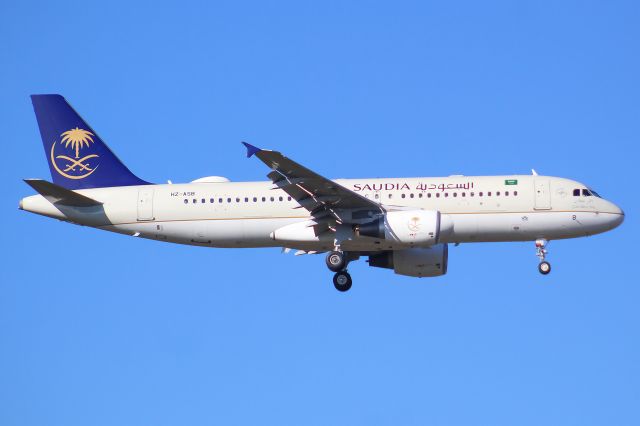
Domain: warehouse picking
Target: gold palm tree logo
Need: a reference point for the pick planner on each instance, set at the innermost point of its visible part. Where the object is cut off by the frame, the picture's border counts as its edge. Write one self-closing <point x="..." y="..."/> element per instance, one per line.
<point x="74" y="168"/>
<point x="414" y="224"/>
<point x="77" y="138"/>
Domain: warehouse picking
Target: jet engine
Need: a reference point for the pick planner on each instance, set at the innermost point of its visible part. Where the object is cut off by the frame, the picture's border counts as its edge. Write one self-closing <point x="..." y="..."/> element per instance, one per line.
<point x="413" y="227"/>
<point x="414" y="262"/>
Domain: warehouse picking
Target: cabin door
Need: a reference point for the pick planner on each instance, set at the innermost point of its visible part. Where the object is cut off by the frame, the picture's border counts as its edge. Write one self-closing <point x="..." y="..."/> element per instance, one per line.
<point x="145" y="204"/>
<point x="542" y="194"/>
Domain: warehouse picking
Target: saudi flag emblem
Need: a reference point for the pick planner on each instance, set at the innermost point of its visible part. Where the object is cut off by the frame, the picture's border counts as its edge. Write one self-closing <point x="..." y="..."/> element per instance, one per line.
<point x="511" y="182"/>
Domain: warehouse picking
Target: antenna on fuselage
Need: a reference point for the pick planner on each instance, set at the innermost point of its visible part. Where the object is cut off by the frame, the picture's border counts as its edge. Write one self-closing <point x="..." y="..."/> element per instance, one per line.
<point x="533" y="172"/>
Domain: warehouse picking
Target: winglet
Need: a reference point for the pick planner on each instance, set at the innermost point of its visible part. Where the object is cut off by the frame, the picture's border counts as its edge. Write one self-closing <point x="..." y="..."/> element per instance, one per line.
<point x="251" y="149"/>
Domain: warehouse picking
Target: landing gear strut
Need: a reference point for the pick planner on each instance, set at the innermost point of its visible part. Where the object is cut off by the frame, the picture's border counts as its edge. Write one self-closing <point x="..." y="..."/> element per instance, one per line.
<point x="544" y="267"/>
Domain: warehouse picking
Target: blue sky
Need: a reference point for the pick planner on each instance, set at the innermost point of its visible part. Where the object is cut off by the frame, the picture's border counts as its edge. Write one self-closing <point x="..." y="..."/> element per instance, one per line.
<point x="102" y="329"/>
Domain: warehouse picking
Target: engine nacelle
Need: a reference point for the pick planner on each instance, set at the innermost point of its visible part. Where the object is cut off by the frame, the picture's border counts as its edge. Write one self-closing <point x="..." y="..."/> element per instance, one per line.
<point x="414" y="262"/>
<point x="413" y="227"/>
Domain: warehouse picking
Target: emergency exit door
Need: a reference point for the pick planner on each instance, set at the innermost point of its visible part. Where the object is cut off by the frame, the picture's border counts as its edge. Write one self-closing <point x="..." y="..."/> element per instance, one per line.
<point x="145" y="204"/>
<point x="542" y="194"/>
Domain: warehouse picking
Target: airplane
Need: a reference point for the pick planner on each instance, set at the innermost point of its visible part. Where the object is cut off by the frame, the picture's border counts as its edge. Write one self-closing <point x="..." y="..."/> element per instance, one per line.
<point x="403" y="224"/>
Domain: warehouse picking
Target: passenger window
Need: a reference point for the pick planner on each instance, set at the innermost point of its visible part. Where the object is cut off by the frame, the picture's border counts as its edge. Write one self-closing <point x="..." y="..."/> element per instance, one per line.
<point x="255" y="199"/>
<point x="479" y="194"/>
<point x="403" y="196"/>
<point x="515" y="193"/>
<point x="471" y="194"/>
<point x="211" y="200"/>
<point x="280" y="198"/>
<point x="289" y="198"/>
<point x="420" y="195"/>
<point x="410" y="195"/>
<point x="271" y="198"/>
<point x="186" y="201"/>
<point x="455" y="194"/>
<point x="437" y="195"/>
<point x="264" y="199"/>
<point x="194" y="201"/>
<point x="464" y="194"/>
<point x="228" y="200"/>
<point x="203" y="201"/>
<point x="220" y="200"/>
<point x="489" y="194"/>
<point x="497" y="193"/>
<point x="506" y="193"/>
<point x="377" y="196"/>
<point x="446" y="194"/>
<point x="237" y="199"/>
<point x="429" y="195"/>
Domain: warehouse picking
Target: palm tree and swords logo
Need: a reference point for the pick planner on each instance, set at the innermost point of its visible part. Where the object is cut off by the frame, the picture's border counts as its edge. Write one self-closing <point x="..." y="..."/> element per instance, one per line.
<point x="414" y="224"/>
<point x="74" y="167"/>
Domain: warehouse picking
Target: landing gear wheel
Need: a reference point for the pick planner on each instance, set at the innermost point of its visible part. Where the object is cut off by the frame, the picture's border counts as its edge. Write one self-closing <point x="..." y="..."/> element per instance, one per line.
<point x="342" y="281"/>
<point x="544" y="267"/>
<point x="336" y="261"/>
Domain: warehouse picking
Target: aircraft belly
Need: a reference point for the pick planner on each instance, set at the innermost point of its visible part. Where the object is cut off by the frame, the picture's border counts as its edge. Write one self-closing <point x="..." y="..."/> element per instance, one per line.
<point x="465" y="228"/>
<point x="210" y="233"/>
<point x="528" y="226"/>
<point x="480" y="227"/>
<point x="258" y="231"/>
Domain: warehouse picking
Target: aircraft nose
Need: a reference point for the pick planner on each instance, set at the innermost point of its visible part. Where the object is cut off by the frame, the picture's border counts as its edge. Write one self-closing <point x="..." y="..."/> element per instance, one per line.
<point x="617" y="216"/>
<point x="620" y="217"/>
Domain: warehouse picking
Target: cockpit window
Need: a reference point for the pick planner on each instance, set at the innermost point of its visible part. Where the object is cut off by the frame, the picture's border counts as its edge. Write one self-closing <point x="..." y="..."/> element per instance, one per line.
<point x="594" y="193"/>
<point x="586" y="192"/>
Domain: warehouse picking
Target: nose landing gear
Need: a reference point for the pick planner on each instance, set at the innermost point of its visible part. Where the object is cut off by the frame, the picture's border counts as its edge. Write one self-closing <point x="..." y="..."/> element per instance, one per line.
<point x="544" y="267"/>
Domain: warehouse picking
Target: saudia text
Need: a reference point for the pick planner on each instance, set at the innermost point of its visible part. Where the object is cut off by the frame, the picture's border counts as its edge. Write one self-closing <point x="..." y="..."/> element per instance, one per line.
<point x="358" y="187"/>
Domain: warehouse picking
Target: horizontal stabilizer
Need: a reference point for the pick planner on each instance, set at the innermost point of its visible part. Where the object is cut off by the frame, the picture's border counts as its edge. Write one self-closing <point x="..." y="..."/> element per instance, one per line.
<point x="56" y="194"/>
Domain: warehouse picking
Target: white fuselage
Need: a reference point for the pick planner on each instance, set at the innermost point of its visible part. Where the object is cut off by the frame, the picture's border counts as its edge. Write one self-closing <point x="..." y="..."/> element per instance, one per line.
<point x="246" y="214"/>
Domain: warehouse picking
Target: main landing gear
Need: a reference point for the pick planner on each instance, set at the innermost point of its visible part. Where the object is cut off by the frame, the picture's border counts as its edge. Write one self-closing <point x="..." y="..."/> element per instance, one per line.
<point x="544" y="267"/>
<point x="337" y="262"/>
<point x="342" y="281"/>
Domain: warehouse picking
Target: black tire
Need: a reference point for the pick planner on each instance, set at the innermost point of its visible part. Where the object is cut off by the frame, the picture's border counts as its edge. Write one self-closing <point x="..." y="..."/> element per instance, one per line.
<point x="544" y="268"/>
<point x="342" y="281"/>
<point x="336" y="261"/>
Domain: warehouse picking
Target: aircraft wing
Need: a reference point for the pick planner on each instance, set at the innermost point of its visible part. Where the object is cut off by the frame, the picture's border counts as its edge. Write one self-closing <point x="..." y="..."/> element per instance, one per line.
<point x="319" y="195"/>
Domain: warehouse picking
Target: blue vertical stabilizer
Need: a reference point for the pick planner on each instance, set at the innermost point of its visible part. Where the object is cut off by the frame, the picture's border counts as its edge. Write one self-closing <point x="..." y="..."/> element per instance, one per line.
<point x="77" y="157"/>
